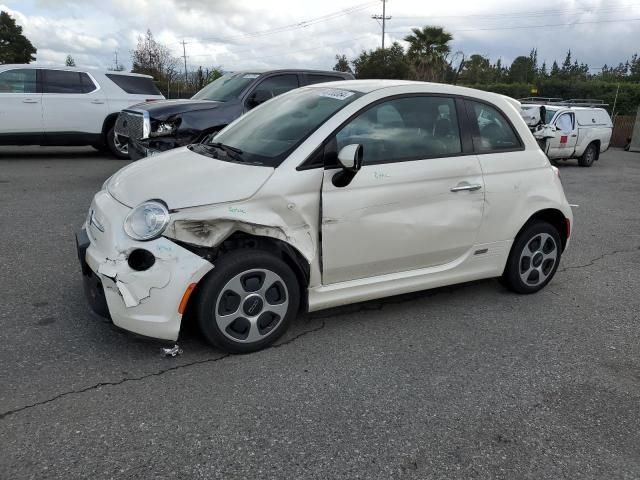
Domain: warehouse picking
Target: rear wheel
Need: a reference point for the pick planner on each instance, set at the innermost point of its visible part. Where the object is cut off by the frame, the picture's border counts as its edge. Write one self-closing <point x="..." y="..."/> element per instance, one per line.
<point x="534" y="258"/>
<point x="248" y="301"/>
<point x="117" y="146"/>
<point x="589" y="156"/>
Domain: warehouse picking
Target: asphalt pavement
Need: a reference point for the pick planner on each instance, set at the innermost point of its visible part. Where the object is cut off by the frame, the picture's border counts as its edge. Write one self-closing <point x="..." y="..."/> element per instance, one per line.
<point x="462" y="382"/>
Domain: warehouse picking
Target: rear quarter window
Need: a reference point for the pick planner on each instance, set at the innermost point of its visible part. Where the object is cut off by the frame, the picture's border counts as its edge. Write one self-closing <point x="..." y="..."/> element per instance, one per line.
<point x="314" y="78"/>
<point x="492" y="131"/>
<point x="134" y="85"/>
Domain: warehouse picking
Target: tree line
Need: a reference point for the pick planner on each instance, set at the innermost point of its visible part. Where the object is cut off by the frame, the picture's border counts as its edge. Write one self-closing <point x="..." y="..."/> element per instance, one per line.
<point x="429" y="57"/>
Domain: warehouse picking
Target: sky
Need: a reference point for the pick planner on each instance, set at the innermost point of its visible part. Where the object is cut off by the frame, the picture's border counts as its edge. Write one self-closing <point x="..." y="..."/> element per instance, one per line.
<point x="245" y="34"/>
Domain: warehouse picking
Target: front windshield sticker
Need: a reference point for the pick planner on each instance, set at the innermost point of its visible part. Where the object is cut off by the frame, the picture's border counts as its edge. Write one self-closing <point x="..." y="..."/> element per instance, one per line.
<point x="335" y="93"/>
<point x="251" y="75"/>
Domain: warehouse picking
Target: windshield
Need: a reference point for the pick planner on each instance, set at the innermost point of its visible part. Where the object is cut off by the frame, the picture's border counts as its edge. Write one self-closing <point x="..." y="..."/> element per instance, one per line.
<point x="227" y="87"/>
<point x="266" y="135"/>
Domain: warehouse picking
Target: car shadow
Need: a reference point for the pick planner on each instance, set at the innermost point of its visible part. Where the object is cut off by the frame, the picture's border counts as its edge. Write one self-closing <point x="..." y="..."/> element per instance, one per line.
<point x="59" y="153"/>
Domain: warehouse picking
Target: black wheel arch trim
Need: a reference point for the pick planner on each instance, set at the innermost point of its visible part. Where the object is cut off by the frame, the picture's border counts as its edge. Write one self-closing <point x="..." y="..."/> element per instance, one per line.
<point x="552" y="216"/>
<point x="238" y="240"/>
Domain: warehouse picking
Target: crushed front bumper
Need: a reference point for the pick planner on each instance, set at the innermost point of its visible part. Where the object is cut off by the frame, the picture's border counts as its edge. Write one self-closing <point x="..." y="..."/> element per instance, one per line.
<point x="143" y="302"/>
<point x="139" y="149"/>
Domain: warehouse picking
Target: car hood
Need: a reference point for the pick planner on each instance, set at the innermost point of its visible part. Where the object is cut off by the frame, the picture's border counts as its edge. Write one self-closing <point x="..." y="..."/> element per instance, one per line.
<point x="163" y="109"/>
<point x="182" y="179"/>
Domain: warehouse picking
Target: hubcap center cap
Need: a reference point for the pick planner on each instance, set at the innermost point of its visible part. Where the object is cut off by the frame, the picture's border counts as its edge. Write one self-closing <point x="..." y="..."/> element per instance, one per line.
<point x="537" y="259"/>
<point x="253" y="305"/>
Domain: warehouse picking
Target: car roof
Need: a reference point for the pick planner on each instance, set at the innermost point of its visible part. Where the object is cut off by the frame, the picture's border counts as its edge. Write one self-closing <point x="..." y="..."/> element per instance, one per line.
<point x="262" y="71"/>
<point x="368" y="86"/>
<point x="555" y="108"/>
<point x="11" y="66"/>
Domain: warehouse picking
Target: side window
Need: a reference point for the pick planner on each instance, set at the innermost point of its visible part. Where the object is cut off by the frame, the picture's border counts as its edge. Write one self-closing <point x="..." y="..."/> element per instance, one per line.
<point x="565" y="122"/>
<point x="312" y="78"/>
<point x="272" y="87"/>
<point x="493" y="131"/>
<point x="21" y="80"/>
<point x="87" y="84"/>
<point x="404" y="129"/>
<point x="60" y="81"/>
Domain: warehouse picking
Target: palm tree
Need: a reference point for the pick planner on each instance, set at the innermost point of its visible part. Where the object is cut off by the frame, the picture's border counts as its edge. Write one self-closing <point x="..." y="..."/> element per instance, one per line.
<point x="428" y="51"/>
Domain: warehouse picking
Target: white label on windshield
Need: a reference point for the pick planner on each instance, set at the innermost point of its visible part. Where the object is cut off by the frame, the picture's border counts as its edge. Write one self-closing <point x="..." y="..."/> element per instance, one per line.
<point x="251" y="75"/>
<point x="335" y="93"/>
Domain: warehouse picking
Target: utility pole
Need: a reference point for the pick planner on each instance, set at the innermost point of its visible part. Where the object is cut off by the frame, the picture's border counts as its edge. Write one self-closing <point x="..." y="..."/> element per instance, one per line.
<point x="116" y="54"/>
<point x="384" y="19"/>
<point x="184" y="55"/>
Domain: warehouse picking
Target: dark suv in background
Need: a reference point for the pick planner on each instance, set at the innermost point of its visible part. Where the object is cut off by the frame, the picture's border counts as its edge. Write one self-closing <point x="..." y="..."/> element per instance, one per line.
<point x="154" y="127"/>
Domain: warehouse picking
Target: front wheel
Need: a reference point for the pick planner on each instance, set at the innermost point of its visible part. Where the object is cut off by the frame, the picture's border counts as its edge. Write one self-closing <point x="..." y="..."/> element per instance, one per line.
<point x="534" y="258"/>
<point x="589" y="156"/>
<point x="247" y="301"/>
<point x="119" y="148"/>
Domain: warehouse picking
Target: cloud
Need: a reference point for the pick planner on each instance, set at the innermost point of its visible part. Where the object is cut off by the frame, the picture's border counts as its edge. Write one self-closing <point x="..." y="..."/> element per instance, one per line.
<point x="254" y="33"/>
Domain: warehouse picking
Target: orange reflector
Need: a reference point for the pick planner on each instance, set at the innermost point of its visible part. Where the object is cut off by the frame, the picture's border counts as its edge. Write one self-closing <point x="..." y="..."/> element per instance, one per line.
<point x="185" y="298"/>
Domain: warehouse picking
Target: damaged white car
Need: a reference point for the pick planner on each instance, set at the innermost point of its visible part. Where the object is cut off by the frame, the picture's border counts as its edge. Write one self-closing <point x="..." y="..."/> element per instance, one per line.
<point x="324" y="196"/>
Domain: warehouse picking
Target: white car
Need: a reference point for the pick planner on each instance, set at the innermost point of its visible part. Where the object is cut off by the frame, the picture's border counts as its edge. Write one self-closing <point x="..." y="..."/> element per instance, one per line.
<point x="566" y="131"/>
<point x="67" y="106"/>
<point x="327" y="195"/>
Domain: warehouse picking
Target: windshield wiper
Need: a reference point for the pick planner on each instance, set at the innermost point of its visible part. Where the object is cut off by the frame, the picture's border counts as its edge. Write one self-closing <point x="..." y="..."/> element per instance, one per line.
<point x="232" y="152"/>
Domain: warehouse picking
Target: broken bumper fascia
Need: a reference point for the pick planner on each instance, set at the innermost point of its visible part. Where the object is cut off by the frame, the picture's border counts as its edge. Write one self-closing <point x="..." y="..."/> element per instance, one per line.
<point x="143" y="302"/>
<point x="139" y="149"/>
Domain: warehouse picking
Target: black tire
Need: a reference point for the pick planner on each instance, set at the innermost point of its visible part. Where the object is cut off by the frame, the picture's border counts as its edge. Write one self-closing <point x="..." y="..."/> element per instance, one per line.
<point x="115" y="150"/>
<point x="589" y="155"/>
<point x="215" y="295"/>
<point x="517" y="265"/>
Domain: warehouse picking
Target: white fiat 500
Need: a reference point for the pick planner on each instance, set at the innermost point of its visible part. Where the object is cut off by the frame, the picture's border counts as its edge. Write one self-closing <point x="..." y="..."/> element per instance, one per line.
<point x="326" y="195"/>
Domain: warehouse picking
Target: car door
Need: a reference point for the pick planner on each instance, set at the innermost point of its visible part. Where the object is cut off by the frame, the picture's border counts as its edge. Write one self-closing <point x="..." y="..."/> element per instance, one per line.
<point x="73" y="106"/>
<point x="416" y="202"/>
<point x="270" y="87"/>
<point x="20" y="107"/>
<point x="563" y="144"/>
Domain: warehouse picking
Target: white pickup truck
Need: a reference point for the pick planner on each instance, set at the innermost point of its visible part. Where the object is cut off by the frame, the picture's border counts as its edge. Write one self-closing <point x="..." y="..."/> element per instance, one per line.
<point x="566" y="131"/>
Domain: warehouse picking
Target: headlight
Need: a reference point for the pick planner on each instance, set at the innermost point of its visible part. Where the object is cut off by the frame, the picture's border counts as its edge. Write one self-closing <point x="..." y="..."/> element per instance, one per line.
<point x="164" y="128"/>
<point x="147" y="221"/>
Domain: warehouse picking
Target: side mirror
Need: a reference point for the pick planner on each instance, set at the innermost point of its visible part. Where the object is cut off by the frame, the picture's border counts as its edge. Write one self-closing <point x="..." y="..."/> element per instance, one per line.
<point x="350" y="157"/>
<point x="258" y="97"/>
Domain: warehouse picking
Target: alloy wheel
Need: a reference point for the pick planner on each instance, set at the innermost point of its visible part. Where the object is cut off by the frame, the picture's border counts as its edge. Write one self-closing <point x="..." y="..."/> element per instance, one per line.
<point x="251" y="305"/>
<point x="122" y="147"/>
<point x="538" y="259"/>
<point x="590" y="156"/>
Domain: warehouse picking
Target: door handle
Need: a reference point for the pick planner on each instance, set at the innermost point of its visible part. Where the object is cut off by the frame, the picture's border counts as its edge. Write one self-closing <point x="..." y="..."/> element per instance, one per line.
<point x="466" y="187"/>
<point x="574" y="135"/>
<point x="29" y="100"/>
<point x="97" y="102"/>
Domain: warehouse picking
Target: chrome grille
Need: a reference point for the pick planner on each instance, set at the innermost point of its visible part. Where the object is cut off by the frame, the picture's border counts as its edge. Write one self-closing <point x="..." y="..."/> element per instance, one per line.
<point x="130" y="125"/>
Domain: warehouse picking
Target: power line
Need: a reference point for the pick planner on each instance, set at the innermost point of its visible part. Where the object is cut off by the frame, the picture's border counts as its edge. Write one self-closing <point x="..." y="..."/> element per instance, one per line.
<point x="349" y="40"/>
<point x="384" y="18"/>
<point x="184" y="55"/>
<point x="534" y="13"/>
<point x="253" y="49"/>
<point x="571" y="24"/>
<point x="292" y="26"/>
